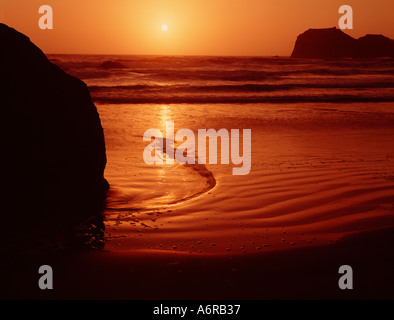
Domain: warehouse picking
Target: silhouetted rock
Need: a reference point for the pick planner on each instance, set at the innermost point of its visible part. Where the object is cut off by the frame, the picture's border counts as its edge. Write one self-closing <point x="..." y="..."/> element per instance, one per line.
<point x="374" y="46"/>
<point x="53" y="148"/>
<point x="334" y="43"/>
<point x="111" y="65"/>
<point x="323" y="43"/>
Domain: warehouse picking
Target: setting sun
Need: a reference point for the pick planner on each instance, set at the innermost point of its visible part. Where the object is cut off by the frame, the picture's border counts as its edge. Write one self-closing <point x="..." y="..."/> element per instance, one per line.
<point x="187" y="27"/>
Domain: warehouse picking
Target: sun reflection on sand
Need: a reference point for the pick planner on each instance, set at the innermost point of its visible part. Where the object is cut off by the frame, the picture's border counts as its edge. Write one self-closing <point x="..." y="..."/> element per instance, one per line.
<point x="165" y="114"/>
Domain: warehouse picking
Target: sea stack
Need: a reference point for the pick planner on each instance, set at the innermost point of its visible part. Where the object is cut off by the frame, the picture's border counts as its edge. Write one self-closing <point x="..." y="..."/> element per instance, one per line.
<point x="53" y="146"/>
<point x="333" y="43"/>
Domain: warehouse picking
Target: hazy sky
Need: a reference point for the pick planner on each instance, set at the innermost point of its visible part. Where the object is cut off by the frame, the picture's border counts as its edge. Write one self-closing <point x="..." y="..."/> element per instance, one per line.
<point x="195" y="27"/>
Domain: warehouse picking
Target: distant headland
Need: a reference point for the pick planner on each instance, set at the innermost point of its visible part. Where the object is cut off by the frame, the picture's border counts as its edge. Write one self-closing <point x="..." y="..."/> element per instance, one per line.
<point x="334" y="43"/>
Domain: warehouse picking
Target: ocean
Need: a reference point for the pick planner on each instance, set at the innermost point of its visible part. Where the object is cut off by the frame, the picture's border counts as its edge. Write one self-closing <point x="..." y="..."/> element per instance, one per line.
<point x="322" y="150"/>
<point x="195" y="79"/>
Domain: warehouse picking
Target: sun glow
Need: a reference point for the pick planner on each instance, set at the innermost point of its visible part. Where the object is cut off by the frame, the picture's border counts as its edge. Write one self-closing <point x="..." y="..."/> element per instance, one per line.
<point x="164" y="27"/>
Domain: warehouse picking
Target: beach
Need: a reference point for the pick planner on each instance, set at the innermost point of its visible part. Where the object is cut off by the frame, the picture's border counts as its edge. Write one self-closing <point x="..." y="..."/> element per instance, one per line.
<point x="317" y="175"/>
<point x="320" y="193"/>
<point x="289" y="274"/>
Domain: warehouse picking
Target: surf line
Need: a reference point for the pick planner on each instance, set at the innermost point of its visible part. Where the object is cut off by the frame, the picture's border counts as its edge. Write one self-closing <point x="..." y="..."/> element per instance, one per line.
<point x="186" y="152"/>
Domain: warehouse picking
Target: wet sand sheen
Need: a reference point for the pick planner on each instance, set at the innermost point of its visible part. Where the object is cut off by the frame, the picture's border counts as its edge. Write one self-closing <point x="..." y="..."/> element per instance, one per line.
<point x="196" y="187"/>
<point x="307" y="187"/>
<point x="320" y="194"/>
<point x="286" y="218"/>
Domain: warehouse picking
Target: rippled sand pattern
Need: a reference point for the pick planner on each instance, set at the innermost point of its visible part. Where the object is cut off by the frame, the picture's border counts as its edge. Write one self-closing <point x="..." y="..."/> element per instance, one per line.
<point x="313" y="181"/>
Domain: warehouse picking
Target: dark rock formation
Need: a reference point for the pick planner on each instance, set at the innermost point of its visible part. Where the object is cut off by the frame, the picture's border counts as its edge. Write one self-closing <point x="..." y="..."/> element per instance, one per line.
<point x="334" y="43"/>
<point x="53" y="149"/>
<point x="374" y="46"/>
<point x="111" y="65"/>
<point x="323" y="43"/>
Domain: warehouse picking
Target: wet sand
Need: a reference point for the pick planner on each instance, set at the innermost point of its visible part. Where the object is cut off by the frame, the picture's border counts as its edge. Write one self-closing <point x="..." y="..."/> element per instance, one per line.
<point x="318" y="173"/>
<point x="320" y="195"/>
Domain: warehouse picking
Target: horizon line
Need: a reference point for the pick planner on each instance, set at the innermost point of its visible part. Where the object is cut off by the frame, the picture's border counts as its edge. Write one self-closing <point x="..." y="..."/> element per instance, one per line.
<point x="173" y="55"/>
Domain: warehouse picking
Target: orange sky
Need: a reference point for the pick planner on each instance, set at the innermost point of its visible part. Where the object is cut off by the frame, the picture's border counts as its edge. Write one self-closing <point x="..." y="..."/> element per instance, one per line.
<point x="195" y="27"/>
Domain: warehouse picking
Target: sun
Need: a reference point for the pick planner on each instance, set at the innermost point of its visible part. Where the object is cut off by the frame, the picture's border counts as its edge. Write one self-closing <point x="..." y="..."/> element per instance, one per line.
<point x="164" y="27"/>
